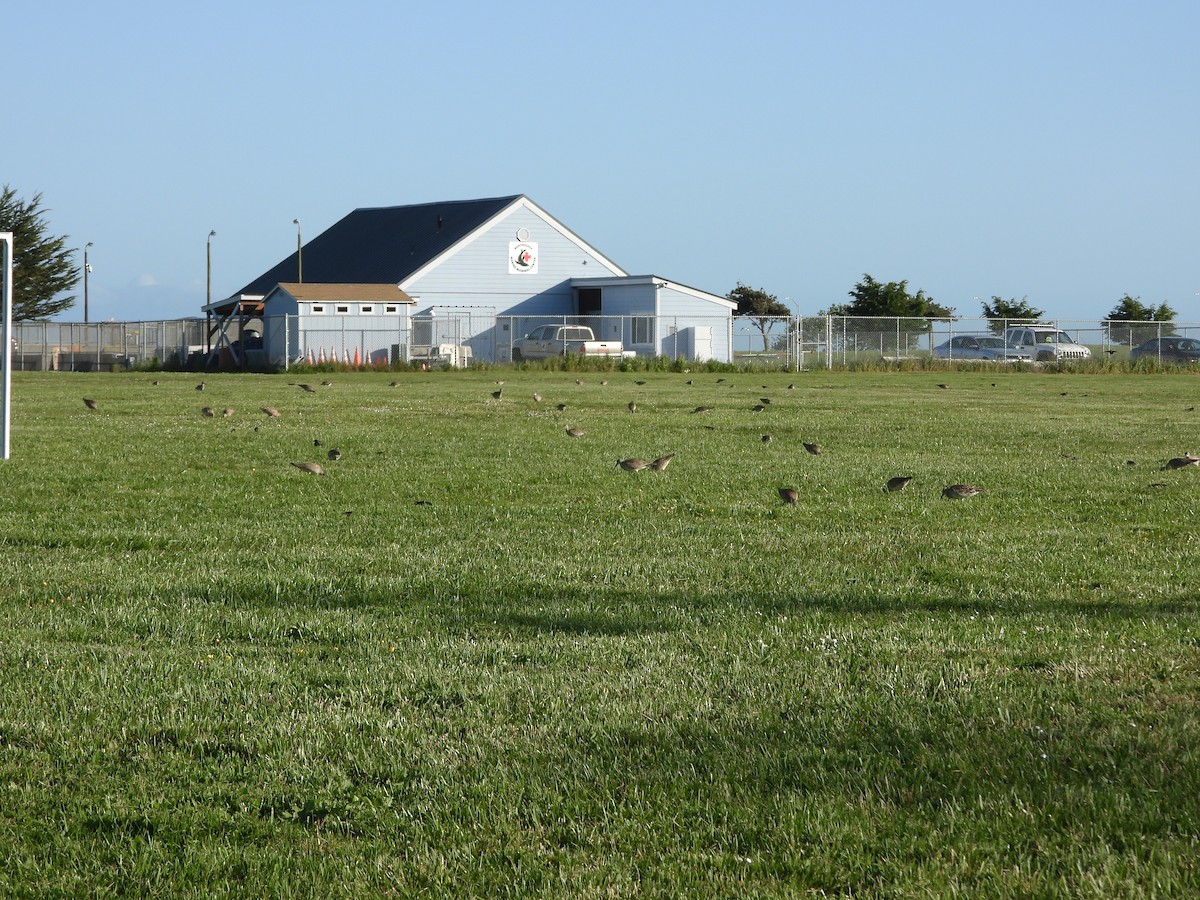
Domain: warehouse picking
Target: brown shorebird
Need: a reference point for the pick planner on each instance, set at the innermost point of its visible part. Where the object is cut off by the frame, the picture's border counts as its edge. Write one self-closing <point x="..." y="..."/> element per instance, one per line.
<point x="227" y="412"/>
<point x="788" y="495"/>
<point x="639" y="382"/>
<point x="766" y="439"/>
<point x="561" y="407"/>
<point x="814" y="449"/>
<point x="660" y="464"/>
<point x="272" y="412"/>
<point x="326" y="383"/>
<point x="899" y="483"/>
<point x="961" y="491"/>
<point x="307" y="388"/>
<point x="496" y="395"/>
<point x="765" y="401"/>
<point x="1179" y="462"/>
<point x="208" y="412"/>
<point x="944" y="387"/>
<point x="334" y="454"/>
<point x="702" y="409"/>
<point x="90" y="403"/>
<point x="537" y="398"/>
<point x="758" y="407"/>
<point x="311" y="468"/>
<point x="200" y="386"/>
<point x="632" y="406"/>
<point x="633" y="464"/>
<point x="575" y="432"/>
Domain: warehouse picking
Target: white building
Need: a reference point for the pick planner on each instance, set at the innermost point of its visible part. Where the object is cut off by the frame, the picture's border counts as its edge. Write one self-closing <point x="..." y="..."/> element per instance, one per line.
<point x="462" y="279"/>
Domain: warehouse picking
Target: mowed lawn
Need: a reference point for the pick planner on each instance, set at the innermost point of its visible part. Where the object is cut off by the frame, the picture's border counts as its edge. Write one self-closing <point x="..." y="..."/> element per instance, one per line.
<point x="476" y="658"/>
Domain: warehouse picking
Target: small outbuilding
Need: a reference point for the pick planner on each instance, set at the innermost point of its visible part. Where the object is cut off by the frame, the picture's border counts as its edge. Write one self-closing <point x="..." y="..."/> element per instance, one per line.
<point x="460" y="280"/>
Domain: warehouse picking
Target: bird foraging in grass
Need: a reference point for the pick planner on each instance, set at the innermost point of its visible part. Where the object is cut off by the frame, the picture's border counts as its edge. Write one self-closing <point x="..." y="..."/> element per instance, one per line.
<point x="766" y="439"/>
<point x="632" y="406"/>
<point x="537" y="398"/>
<point x="788" y="496"/>
<point x="660" y="464"/>
<point x="1179" y="462"/>
<point x="200" y="386"/>
<point x="208" y="412"/>
<point x="575" y="432"/>
<point x="311" y="468"/>
<point x="307" y="388"/>
<point x="633" y="464"/>
<point x="814" y="449"/>
<point x="90" y="403"/>
<point x="334" y="454"/>
<point x="899" y="483"/>
<point x="496" y="395"/>
<point x="272" y="412"/>
<point x="227" y="412"/>
<point x="961" y="491"/>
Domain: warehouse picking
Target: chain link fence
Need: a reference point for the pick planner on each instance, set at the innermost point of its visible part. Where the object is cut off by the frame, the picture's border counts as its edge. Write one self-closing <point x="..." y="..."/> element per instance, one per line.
<point x="459" y="336"/>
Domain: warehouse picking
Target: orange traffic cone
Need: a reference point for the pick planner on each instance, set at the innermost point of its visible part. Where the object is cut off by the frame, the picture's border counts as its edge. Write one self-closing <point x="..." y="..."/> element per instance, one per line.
<point x="357" y="358"/>
<point x="321" y="357"/>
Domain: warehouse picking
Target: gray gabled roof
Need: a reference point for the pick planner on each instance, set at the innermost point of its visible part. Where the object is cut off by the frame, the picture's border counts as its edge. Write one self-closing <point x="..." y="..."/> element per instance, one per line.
<point x="383" y="245"/>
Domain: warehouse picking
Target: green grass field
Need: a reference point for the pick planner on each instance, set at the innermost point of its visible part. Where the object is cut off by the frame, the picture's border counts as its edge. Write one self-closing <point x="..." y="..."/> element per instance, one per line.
<point x="478" y="659"/>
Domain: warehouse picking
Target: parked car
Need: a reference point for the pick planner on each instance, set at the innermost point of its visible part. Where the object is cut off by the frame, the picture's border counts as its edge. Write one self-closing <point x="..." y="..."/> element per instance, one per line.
<point x="1046" y="343"/>
<point x="1168" y="349"/>
<point x="549" y="341"/>
<point x="981" y="346"/>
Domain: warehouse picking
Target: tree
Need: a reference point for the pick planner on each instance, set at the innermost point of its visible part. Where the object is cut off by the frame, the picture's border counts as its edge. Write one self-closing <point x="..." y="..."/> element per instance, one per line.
<point x="42" y="266"/>
<point x="1001" y="311"/>
<point x="1144" y="322"/>
<point x="892" y="300"/>
<point x="761" y="308"/>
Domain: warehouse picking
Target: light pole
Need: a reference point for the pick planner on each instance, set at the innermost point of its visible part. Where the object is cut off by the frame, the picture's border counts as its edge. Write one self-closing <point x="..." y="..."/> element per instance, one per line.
<point x="208" y="289"/>
<point x="299" y="254"/>
<point x="87" y="270"/>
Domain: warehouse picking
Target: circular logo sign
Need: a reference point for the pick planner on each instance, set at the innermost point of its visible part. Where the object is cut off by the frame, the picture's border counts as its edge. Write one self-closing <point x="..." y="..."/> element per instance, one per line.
<point x="522" y="257"/>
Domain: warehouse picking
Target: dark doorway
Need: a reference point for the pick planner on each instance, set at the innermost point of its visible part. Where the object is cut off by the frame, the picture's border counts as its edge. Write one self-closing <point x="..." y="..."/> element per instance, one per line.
<point x="589" y="301"/>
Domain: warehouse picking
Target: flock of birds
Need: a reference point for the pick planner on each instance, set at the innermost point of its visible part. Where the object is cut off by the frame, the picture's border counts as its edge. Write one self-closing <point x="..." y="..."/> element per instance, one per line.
<point x="787" y="495"/>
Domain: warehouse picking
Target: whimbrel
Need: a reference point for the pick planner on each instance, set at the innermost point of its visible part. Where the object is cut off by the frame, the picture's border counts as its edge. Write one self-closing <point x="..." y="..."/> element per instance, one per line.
<point x="814" y="449"/>
<point x="660" y="464"/>
<point x="899" y="483"/>
<point x="311" y="468"/>
<point x="961" y="491"/>
<point x="788" y="495"/>
<point x="633" y="464"/>
<point x="1179" y="462"/>
<point x="90" y="403"/>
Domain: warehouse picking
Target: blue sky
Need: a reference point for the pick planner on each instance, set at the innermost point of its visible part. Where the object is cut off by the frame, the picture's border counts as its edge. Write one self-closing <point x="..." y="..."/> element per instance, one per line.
<point x="1025" y="149"/>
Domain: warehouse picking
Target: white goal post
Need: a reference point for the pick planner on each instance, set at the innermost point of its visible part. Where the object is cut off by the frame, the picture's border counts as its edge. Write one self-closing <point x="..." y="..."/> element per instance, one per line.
<point x="6" y="396"/>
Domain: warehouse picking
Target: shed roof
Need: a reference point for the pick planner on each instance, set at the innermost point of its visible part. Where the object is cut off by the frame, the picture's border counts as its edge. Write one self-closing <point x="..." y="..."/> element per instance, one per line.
<point x="354" y="293"/>
<point x="381" y="245"/>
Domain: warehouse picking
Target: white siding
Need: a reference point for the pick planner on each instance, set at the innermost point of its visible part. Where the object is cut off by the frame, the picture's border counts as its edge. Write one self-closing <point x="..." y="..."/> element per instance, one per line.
<point x="478" y="273"/>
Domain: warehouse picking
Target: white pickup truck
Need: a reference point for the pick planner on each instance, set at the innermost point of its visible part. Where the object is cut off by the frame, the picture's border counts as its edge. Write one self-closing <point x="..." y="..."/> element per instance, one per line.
<point x="548" y="341"/>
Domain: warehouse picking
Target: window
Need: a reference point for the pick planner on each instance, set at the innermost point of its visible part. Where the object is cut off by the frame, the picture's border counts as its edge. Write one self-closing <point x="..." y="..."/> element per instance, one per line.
<point x="422" y="332"/>
<point x="342" y="310"/>
<point x="643" y="330"/>
<point x="366" y="309"/>
<point x="391" y="309"/>
<point x="318" y="309"/>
